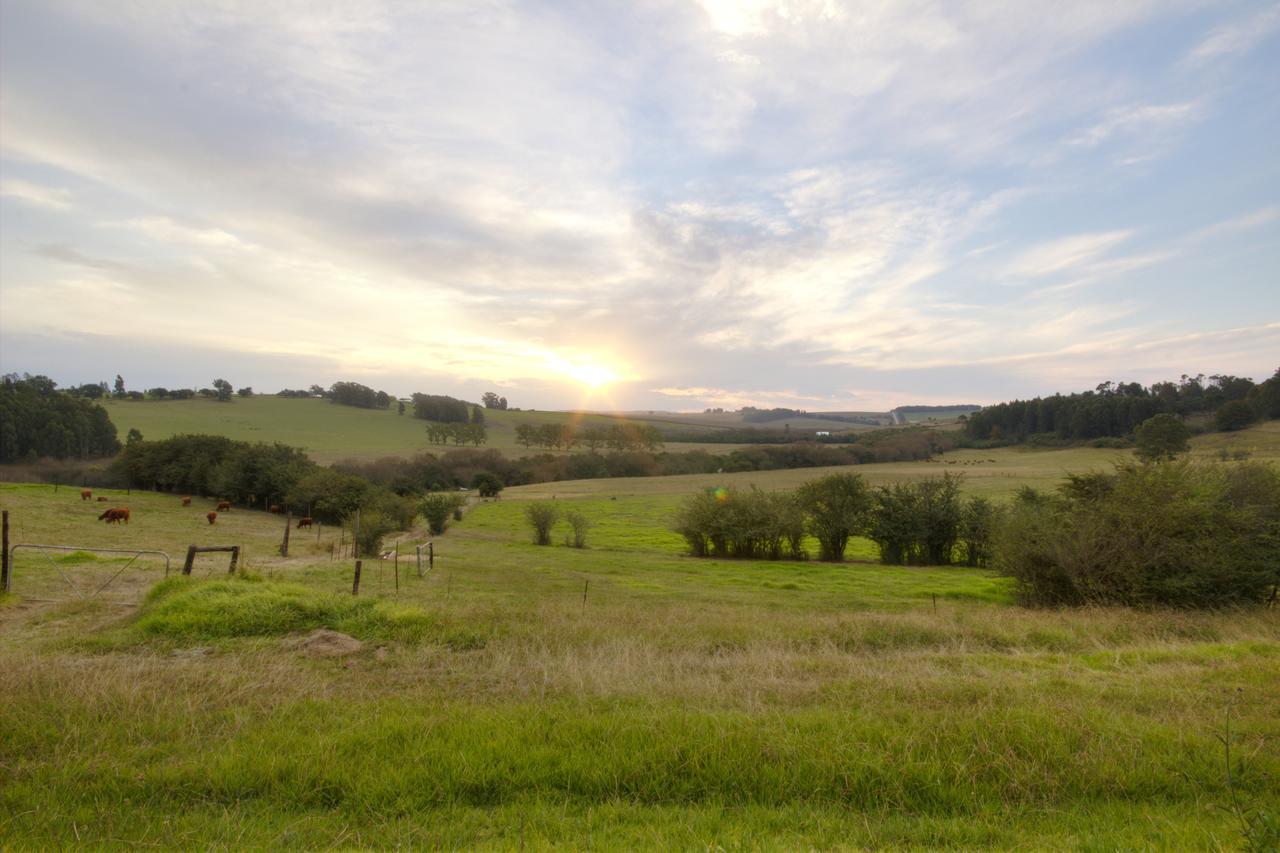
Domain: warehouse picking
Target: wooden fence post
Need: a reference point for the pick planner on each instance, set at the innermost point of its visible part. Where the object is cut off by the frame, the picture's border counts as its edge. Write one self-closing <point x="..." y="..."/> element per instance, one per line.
<point x="284" y="546"/>
<point x="191" y="560"/>
<point x="4" y="558"/>
<point x="355" y="586"/>
<point x="235" y="558"/>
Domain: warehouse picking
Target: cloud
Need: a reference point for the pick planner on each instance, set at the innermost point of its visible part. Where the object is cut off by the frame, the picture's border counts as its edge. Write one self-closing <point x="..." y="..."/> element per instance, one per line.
<point x="1064" y="255"/>
<point x="1235" y="38"/>
<point x="467" y="193"/>
<point x="55" y="198"/>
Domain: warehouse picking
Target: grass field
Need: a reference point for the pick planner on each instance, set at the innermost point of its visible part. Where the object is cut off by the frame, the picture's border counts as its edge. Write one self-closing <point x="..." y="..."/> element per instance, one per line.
<point x="620" y="696"/>
<point x="330" y="432"/>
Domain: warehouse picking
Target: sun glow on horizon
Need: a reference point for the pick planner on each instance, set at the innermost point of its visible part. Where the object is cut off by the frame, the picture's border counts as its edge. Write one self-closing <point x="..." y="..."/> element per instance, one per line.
<point x="586" y="371"/>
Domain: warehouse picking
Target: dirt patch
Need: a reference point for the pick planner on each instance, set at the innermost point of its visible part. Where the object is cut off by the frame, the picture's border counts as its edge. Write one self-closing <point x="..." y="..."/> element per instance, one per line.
<point x="324" y="643"/>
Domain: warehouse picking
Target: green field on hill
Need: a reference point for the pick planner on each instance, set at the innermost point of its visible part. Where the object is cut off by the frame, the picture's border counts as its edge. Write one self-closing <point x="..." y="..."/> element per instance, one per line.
<point x="620" y="696"/>
<point x="330" y="432"/>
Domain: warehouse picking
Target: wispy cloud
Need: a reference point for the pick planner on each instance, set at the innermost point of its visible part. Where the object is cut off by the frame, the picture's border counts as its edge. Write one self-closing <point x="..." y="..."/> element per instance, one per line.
<point x="37" y="194"/>
<point x="1236" y="38"/>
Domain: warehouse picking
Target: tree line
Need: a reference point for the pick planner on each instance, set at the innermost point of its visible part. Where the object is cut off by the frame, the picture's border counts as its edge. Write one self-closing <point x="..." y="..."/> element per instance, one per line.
<point x="621" y="436"/>
<point x="1116" y="409"/>
<point x="427" y="472"/>
<point x="37" y="420"/>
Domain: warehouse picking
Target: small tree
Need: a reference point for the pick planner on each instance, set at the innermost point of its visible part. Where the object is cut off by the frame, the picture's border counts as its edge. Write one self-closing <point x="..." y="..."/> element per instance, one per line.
<point x="542" y="516"/>
<point x="835" y="508"/>
<point x="246" y="391"/>
<point x="222" y="389"/>
<point x="578" y="526"/>
<point x="437" y="508"/>
<point x="135" y="435"/>
<point x="1163" y="436"/>
<point x="487" y="484"/>
<point x="1234" y="415"/>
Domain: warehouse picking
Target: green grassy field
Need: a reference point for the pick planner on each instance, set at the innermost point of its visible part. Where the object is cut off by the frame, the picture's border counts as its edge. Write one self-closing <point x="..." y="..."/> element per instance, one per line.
<point x="330" y="432"/>
<point x="620" y="696"/>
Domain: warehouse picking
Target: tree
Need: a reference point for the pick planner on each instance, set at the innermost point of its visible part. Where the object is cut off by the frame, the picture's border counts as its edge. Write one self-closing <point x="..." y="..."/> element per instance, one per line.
<point x="1234" y="415"/>
<point x="487" y="484"/>
<point x="223" y="389"/>
<point x="1163" y="436"/>
<point x="835" y="508"/>
<point x="400" y="410"/>
<point x="246" y="391"/>
<point x="437" y="508"/>
<point x="493" y="401"/>
<point x="135" y="435"/>
<point x="119" y="385"/>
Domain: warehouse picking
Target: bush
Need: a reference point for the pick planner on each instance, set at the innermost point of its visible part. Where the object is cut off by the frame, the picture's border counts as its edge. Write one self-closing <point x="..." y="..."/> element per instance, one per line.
<point x="918" y="523"/>
<point x="578" y="526"/>
<point x="1234" y="415"/>
<point x="1161" y="437"/>
<point x="542" y="516"/>
<point x="437" y="508"/>
<point x="835" y="508"/>
<point x="488" y="485"/>
<point x="745" y="524"/>
<point x="1166" y="533"/>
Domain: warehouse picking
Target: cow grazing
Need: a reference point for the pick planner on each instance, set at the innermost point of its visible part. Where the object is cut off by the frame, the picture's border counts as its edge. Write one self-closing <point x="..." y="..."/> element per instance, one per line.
<point x="212" y="516"/>
<point x="305" y="521"/>
<point x="85" y="494"/>
<point x="275" y="508"/>
<point x="224" y="506"/>
<point x="115" y="516"/>
<point x="186" y="501"/>
<point x="101" y="499"/>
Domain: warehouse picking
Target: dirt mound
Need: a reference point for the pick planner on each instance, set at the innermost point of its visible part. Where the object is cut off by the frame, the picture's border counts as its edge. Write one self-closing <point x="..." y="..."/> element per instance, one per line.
<point x="324" y="643"/>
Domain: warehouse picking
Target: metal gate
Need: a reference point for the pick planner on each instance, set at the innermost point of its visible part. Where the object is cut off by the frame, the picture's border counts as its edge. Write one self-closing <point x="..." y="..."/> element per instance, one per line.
<point x="82" y="575"/>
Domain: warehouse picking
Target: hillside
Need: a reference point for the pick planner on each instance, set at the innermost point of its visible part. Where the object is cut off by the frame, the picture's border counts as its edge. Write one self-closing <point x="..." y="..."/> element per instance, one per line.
<point x="328" y="432"/>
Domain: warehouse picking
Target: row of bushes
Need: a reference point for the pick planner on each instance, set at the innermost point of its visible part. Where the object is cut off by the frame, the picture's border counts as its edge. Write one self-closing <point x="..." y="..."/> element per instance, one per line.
<point x="920" y="522"/>
<point x="1167" y="532"/>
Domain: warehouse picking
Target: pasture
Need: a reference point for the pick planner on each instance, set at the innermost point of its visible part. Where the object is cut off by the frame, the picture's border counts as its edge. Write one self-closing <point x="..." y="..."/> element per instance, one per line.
<point x="620" y="696"/>
<point x="330" y="432"/>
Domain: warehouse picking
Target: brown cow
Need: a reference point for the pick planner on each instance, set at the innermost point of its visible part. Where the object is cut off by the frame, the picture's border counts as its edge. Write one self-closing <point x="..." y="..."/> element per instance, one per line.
<point x="224" y="506"/>
<point x="115" y="516"/>
<point x="275" y="508"/>
<point x="305" y="521"/>
<point x="102" y="499"/>
<point x="186" y="501"/>
<point x="212" y="516"/>
<point x="85" y="494"/>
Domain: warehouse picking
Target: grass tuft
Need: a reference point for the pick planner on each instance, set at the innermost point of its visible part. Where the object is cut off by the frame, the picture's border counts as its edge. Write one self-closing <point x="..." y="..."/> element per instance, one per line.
<point x="180" y="608"/>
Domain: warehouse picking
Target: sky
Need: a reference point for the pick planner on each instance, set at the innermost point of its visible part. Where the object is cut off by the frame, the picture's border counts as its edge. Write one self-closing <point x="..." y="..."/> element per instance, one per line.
<point x="641" y="205"/>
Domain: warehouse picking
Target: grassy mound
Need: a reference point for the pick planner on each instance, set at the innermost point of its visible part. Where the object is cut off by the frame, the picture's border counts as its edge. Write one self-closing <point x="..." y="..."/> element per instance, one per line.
<point x="180" y="608"/>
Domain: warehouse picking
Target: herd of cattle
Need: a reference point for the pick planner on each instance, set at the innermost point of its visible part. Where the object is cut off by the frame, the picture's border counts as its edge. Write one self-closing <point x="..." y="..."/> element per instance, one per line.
<point x="121" y="514"/>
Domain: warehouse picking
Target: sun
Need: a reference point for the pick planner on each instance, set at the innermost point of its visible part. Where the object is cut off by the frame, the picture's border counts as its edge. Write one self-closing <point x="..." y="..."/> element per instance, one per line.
<point x="585" y="370"/>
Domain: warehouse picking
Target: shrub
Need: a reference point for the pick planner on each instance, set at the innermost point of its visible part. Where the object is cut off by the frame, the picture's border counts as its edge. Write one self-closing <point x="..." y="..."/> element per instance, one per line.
<point x="578" y="526"/>
<point x="747" y="524"/>
<point x="437" y="508"/>
<point x="1166" y="533"/>
<point x="917" y="523"/>
<point x="835" y="508"/>
<point x="1161" y="437"/>
<point x="542" y="516"/>
<point x="487" y="484"/>
<point x="1234" y="415"/>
